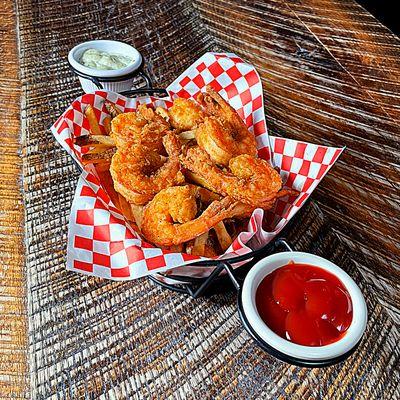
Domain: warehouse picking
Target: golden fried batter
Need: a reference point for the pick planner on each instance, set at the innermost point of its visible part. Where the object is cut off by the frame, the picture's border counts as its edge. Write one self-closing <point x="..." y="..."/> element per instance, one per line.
<point x="185" y="114"/>
<point x="139" y="173"/>
<point x="249" y="180"/>
<point x="169" y="219"/>
<point x="144" y="128"/>
<point x="223" y="135"/>
<point x="207" y="140"/>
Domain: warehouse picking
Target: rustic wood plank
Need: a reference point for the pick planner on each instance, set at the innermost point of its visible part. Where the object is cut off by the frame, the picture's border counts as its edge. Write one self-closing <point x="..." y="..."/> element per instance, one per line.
<point x="13" y="318"/>
<point x="372" y="61"/>
<point x="92" y="338"/>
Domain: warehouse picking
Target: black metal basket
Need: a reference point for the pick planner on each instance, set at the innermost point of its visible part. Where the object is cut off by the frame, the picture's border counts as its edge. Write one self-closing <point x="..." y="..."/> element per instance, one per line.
<point x="223" y="276"/>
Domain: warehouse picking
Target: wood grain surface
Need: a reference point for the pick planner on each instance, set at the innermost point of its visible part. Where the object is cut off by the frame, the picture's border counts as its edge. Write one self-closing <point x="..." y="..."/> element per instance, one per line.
<point x="13" y="323"/>
<point x="331" y="73"/>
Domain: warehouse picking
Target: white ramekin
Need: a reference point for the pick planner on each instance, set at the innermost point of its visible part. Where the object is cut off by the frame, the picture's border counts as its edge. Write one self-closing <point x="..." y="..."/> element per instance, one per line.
<point x="117" y="80"/>
<point x="296" y="351"/>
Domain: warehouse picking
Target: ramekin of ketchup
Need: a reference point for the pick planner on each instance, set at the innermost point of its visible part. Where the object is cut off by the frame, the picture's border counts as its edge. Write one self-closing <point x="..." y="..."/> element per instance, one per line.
<point x="303" y="308"/>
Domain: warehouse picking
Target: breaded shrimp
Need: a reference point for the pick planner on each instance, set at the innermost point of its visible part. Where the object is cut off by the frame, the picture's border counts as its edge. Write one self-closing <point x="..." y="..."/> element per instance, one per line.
<point x="170" y="218"/>
<point x="249" y="180"/>
<point x="216" y="140"/>
<point x="185" y="114"/>
<point x="139" y="173"/>
<point x="223" y="135"/>
<point x="144" y="128"/>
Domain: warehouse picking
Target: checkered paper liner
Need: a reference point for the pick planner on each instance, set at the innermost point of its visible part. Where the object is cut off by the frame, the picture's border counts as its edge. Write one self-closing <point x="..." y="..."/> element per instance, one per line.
<point x="101" y="241"/>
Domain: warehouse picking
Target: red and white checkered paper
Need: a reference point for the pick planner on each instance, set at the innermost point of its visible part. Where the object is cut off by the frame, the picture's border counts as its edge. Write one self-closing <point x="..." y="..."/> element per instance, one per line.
<point x="102" y="243"/>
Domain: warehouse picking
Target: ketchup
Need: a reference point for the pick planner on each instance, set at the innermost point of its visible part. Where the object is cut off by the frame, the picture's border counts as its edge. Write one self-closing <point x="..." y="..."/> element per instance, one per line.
<point x="305" y="304"/>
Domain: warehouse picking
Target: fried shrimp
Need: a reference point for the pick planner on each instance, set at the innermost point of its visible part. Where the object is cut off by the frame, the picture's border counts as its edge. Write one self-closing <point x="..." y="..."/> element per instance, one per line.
<point x="170" y="218"/>
<point x="223" y="134"/>
<point x="144" y="127"/>
<point x="216" y="140"/>
<point x="139" y="173"/>
<point x="185" y="114"/>
<point x="249" y="180"/>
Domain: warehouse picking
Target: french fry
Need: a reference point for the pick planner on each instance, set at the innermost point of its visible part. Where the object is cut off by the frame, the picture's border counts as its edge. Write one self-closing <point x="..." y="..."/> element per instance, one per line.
<point x="98" y="158"/>
<point x="200" y="244"/>
<point x="189" y="246"/>
<point x="112" y="109"/>
<point x="102" y="167"/>
<point x="82" y="140"/>
<point x="97" y="149"/>
<point x="223" y="236"/>
<point x="137" y="212"/>
<point x="91" y="160"/>
<point x="186" y="135"/>
<point x="178" y="248"/>
<point x="108" y="185"/>
<point x="103" y="139"/>
<point x="125" y="208"/>
<point x="107" y="125"/>
<point x="94" y="140"/>
<point x="107" y="140"/>
<point x="209" y="251"/>
<point x="94" y="124"/>
<point x="87" y="140"/>
<point x="134" y="226"/>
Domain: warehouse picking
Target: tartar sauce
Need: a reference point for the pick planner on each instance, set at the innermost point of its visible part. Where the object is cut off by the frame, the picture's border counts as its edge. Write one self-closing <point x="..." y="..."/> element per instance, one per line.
<point x="102" y="60"/>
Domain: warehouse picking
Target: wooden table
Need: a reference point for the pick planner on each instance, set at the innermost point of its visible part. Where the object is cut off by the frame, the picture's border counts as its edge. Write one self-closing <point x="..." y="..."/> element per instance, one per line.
<point x="330" y="73"/>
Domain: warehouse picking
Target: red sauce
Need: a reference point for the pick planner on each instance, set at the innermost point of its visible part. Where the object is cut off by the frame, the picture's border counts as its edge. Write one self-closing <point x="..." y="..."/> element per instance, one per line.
<point x="305" y="304"/>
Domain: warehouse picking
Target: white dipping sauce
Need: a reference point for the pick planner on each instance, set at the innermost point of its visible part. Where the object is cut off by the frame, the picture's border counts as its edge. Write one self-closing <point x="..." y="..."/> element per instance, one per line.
<point x="102" y="60"/>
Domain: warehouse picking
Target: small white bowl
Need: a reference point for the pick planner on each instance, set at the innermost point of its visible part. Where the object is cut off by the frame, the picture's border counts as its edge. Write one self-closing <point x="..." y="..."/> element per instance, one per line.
<point x="307" y="354"/>
<point x="117" y="80"/>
